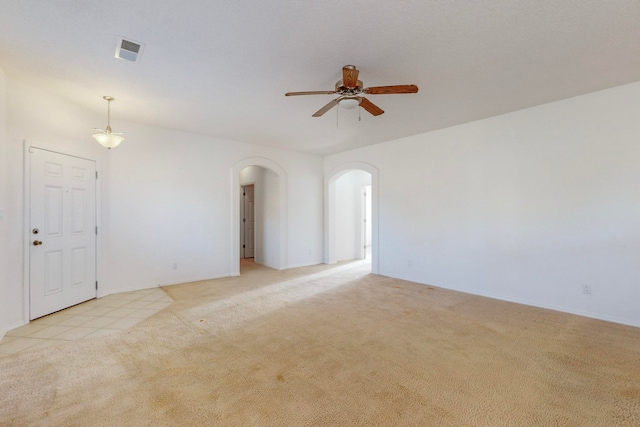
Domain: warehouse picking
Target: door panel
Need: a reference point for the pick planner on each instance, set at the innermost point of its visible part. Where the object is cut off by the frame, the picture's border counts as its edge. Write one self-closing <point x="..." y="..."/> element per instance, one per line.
<point x="53" y="211"/>
<point x="62" y="262"/>
<point x="52" y="272"/>
<point x="78" y="267"/>
<point x="78" y="211"/>
<point x="249" y="221"/>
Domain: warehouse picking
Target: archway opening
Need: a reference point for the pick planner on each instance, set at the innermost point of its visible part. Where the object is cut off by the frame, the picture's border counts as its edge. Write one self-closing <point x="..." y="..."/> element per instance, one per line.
<point x="259" y="217"/>
<point x="351" y="214"/>
<point x="269" y="183"/>
<point x="353" y="228"/>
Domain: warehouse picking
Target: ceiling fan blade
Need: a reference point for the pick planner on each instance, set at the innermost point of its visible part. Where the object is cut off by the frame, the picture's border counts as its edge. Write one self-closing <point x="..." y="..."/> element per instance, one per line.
<point x="350" y="76"/>
<point x="313" y="92"/>
<point x="387" y="90"/>
<point x="370" y="106"/>
<point x="327" y="107"/>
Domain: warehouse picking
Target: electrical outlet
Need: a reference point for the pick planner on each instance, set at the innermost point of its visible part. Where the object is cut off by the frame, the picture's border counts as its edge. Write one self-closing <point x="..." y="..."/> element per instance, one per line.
<point x="586" y="289"/>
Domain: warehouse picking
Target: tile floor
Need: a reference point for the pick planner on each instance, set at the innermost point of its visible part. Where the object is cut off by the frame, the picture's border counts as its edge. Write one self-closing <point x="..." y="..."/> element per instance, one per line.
<point x="93" y="318"/>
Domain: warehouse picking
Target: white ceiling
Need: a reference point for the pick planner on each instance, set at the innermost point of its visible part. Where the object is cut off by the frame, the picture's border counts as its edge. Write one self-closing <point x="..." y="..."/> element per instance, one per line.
<point x="221" y="68"/>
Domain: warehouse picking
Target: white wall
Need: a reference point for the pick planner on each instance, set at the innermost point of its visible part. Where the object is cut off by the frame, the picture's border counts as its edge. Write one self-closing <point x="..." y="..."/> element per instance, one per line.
<point x="528" y="206"/>
<point x="164" y="197"/>
<point x="251" y="175"/>
<point x="270" y="233"/>
<point x="368" y="215"/>
<point x="346" y="217"/>
<point x="5" y="284"/>
<point x="170" y="195"/>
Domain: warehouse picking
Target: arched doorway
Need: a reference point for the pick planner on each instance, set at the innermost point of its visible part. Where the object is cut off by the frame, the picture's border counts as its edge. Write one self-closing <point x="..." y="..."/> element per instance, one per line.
<point x="278" y="257"/>
<point x="331" y="216"/>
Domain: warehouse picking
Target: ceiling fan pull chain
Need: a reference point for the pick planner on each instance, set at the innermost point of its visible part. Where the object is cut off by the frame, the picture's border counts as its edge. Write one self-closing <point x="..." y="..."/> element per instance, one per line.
<point x="337" y="114"/>
<point x="359" y="113"/>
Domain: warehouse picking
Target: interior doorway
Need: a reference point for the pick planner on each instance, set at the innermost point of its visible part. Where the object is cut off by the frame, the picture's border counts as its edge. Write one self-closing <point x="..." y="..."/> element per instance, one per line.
<point x="351" y="214"/>
<point x="247" y="231"/>
<point x="261" y="217"/>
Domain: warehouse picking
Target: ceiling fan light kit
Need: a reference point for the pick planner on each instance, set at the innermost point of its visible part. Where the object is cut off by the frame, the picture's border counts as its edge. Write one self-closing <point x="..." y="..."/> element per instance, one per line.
<point x="349" y="103"/>
<point x="350" y="89"/>
<point x="106" y="137"/>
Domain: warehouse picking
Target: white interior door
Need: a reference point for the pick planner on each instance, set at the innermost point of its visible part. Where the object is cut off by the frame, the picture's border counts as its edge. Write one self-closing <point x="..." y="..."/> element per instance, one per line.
<point x="62" y="261"/>
<point x="249" y="221"/>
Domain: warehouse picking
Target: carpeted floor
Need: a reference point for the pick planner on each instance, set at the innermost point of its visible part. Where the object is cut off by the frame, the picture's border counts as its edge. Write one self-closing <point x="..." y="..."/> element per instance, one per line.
<point x="333" y="345"/>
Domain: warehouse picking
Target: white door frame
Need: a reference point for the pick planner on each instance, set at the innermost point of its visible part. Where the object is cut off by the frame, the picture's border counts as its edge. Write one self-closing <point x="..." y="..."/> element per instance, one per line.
<point x="26" y="218"/>
<point x="235" y="210"/>
<point x="330" y="211"/>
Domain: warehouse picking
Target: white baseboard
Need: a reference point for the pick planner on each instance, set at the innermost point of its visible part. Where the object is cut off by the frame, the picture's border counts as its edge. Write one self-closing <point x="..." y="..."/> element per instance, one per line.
<point x="158" y="285"/>
<point x="569" y="310"/>
<point x="11" y="327"/>
<point x="304" y="265"/>
<point x="181" y="282"/>
<point x="598" y="316"/>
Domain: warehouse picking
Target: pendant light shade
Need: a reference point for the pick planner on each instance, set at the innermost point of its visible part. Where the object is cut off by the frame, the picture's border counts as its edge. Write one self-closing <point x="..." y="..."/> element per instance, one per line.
<point x="106" y="137"/>
<point x="349" y="103"/>
<point x="108" y="140"/>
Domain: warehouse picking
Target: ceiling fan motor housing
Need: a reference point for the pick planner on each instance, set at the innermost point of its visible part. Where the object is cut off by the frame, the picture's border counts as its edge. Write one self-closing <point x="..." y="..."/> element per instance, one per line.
<point x="343" y="90"/>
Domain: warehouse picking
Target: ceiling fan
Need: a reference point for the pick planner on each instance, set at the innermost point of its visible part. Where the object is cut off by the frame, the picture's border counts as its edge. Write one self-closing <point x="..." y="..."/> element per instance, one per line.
<point x="350" y="88"/>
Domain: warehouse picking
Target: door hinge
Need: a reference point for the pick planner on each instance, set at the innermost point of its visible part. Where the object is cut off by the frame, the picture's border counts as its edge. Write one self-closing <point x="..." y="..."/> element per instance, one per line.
<point x="244" y="194"/>
<point x="244" y="220"/>
<point x="243" y="246"/>
<point x="96" y="285"/>
<point x="96" y="174"/>
<point x="96" y="230"/>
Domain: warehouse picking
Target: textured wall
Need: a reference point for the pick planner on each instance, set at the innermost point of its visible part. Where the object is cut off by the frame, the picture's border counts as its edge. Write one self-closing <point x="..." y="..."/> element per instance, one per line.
<point x="529" y="206"/>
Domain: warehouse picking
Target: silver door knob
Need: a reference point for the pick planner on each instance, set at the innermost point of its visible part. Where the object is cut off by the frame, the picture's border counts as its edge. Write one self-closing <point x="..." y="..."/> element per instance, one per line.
<point x="37" y="243"/>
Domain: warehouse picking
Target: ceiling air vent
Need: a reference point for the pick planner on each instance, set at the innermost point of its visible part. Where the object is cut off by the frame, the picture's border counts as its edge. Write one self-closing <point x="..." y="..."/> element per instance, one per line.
<point x="129" y="50"/>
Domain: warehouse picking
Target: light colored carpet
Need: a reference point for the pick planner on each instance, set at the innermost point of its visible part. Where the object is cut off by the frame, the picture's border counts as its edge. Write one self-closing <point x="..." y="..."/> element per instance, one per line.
<point x="333" y="345"/>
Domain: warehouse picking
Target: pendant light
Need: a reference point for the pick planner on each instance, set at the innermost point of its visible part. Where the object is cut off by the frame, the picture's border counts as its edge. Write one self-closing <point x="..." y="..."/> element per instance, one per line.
<point x="107" y="138"/>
